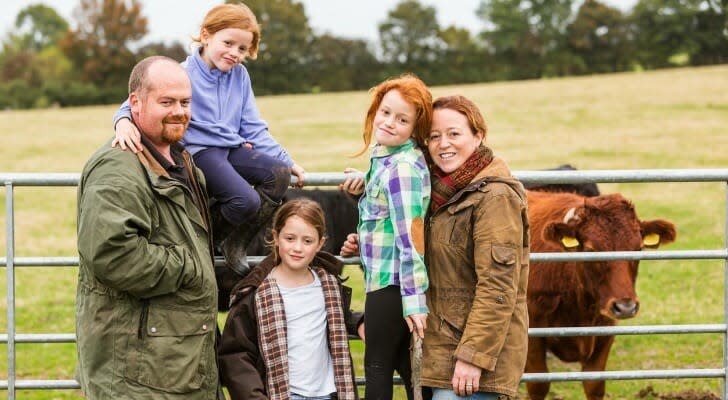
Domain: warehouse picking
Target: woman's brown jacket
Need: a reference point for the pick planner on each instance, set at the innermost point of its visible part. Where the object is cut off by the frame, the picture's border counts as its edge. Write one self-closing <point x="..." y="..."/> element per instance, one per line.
<point x="477" y="260"/>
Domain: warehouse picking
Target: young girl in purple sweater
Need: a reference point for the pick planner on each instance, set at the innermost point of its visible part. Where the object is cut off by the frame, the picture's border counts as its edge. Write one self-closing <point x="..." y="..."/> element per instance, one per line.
<point x="246" y="170"/>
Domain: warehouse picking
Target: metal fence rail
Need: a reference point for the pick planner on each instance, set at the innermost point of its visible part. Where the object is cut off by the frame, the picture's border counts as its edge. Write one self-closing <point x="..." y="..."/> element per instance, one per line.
<point x="12" y="180"/>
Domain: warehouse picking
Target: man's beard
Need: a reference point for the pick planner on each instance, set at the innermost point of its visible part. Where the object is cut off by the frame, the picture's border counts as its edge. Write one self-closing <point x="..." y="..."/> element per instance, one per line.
<point x="171" y="136"/>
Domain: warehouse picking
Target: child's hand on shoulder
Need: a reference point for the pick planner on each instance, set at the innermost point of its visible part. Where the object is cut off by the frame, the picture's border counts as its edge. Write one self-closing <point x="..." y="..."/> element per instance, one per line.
<point x="127" y="135"/>
<point x="353" y="183"/>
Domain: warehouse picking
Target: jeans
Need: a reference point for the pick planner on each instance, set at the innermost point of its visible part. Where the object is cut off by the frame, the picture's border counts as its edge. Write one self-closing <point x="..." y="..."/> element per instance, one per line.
<point x="299" y="397"/>
<point x="231" y="175"/>
<point x="448" y="394"/>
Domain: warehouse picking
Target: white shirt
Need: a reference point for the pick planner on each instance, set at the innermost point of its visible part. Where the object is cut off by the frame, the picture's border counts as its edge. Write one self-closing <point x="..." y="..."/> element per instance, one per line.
<point x="310" y="369"/>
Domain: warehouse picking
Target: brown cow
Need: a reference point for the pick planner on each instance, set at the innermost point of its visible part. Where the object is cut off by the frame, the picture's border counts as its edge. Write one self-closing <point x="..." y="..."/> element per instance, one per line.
<point x="571" y="294"/>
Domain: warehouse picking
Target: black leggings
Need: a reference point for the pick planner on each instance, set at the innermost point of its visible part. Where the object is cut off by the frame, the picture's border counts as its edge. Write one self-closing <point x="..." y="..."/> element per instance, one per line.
<point x="387" y="343"/>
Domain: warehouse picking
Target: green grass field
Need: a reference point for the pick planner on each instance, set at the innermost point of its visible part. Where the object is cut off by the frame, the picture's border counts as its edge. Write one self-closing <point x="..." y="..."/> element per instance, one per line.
<point x="662" y="119"/>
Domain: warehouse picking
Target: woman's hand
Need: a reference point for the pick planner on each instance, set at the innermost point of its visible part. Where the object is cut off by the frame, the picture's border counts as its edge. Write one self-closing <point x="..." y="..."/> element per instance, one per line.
<point x="298" y="172"/>
<point x="466" y="378"/>
<point x="360" y="332"/>
<point x="418" y="322"/>
<point x="127" y="136"/>
<point x="354" y="182"/>
<point x="350" y="248"/>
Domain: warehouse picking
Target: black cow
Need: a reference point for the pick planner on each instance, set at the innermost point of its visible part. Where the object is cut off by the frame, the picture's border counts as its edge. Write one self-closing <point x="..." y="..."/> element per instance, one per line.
<point x="340" y="210"/>
<point x="584" y="189"/>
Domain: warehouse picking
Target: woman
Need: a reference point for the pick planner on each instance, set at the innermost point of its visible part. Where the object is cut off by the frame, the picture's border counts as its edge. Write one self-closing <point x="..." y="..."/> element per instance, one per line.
<point x="477" y="257"/>
<point x="476" y="253"/>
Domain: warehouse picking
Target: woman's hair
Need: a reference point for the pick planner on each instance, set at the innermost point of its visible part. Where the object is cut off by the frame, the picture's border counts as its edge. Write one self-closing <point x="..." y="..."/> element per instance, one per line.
<point x="466" y="107"/>
<point x="227" y="16"/>
<point x="413" y="91"/>
<point x="308" y="210"/>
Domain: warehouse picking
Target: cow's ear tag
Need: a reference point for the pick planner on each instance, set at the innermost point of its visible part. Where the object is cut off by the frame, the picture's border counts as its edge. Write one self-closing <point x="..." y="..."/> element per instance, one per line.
<point x="569" y="242"/>
<point x="651" y="240"/>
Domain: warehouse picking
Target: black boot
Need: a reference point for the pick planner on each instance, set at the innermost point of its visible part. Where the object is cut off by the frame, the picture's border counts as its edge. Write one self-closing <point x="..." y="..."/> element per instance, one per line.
<point x="235" y="245"/>
<point x="221" y="227"/>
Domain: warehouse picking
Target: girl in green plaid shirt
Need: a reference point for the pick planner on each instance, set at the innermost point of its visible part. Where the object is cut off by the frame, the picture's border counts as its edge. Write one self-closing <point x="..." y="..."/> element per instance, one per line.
<point x="391" y="230"/>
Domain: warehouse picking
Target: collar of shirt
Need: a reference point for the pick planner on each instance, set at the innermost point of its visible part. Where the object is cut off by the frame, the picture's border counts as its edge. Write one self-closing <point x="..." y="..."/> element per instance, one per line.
<point x="176" y="169"/>
<point x="379" y="151"/>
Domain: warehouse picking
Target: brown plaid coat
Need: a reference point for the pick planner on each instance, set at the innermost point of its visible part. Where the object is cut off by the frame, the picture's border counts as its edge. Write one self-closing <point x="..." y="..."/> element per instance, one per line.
<point x="253" y="349"/>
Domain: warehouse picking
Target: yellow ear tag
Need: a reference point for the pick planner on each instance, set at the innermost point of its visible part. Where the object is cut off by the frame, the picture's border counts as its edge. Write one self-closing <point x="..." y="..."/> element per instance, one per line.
<point x="653" y="239"/>
<point x="569" y="242"/>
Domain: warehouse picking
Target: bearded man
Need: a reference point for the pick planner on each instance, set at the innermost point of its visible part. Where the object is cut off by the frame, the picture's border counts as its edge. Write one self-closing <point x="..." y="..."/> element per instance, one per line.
<point x="146" y="300"/>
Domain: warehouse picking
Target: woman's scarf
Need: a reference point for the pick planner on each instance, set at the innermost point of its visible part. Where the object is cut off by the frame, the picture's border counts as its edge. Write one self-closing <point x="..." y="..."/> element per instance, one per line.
<point x="444" y="186"/>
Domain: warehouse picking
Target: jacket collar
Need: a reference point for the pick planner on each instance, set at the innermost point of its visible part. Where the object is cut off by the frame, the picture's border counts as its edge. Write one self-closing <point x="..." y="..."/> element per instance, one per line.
<point x="255" y="277"/>
<point x="496" y="168"/>
<point x="165" y="185"/>
<point x="496" y="171"/>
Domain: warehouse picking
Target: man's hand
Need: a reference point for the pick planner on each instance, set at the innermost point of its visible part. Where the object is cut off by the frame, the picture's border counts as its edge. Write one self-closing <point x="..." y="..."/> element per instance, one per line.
<point x="127" y="136"/>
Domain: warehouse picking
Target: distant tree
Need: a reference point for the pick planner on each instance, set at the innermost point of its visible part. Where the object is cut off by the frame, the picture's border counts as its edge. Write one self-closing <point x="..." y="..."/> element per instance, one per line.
<point x="285" y="41"/>
<point x="101" y="45"/>
<point x="409" y="36"/>
<point x="462" y="60"/>
<point x="39" y="26"/>
<point x="175" y="50"/>
<point x="336" y="64"/>
<point x="20" y="64"/>
<point x="527" y="35"/>
<point x="599" y="36"/>
<point x="691" y="30"/>
<point x="711" y="34"/>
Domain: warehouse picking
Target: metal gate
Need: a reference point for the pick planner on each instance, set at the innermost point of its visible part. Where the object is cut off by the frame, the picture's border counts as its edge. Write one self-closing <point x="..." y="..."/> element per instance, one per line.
<point x="329" y="179"/>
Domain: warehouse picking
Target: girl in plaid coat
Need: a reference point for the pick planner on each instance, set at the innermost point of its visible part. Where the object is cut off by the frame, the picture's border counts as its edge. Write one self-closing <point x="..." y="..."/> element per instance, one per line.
<point x="286" y="336"/>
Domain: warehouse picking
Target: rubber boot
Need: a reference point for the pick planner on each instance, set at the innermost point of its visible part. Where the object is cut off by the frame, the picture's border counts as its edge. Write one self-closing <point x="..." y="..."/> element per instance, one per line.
<point x="235" y="245"/>
<point x="221" y="227"/>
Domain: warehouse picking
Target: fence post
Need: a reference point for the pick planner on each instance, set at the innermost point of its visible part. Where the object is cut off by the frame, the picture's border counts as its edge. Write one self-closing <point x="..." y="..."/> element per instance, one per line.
<point x="10" y="271"/>
<point x="725" y="301"/>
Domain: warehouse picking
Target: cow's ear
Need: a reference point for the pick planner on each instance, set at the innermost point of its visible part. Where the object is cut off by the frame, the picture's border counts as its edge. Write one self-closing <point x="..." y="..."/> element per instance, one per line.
<point x="657" y="232"/>
<point x="563" y="234"/>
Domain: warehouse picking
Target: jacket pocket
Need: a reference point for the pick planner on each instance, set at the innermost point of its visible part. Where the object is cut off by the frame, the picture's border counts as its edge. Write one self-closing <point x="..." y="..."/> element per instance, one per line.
<point x="172" y="351"/>
<point x="452" y="329"/>
<point x="504" y="256"/>
<point x="502" y="274"/>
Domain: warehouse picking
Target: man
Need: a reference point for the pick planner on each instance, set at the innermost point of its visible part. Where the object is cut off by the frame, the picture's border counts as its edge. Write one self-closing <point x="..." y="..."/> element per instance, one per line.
<point x="146" y="301"/>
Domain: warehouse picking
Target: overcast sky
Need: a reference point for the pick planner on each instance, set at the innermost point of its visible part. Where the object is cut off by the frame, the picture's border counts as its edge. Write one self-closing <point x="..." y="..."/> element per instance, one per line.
<point x="179" y="19"/>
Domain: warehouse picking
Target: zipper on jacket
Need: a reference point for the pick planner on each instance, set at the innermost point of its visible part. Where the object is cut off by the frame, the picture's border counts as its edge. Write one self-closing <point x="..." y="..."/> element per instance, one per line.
<point x="143" y="319"/>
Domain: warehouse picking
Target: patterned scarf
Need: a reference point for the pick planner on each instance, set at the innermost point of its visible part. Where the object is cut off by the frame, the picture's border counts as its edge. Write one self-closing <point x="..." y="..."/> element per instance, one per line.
<point x="444" y="186"/>
<point x="272" y="333"/>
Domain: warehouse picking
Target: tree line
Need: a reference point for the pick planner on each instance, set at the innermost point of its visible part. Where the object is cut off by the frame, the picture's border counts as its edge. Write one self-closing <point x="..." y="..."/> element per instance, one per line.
<point x="44" y="61"/>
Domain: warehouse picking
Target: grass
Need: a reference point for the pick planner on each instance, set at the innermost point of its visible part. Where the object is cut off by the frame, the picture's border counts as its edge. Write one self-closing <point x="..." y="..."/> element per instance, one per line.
<point x="661" y="119"/>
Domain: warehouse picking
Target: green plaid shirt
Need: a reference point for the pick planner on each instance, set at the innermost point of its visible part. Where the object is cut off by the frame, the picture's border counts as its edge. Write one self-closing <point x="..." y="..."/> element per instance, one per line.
<point x="397" y="193"/>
